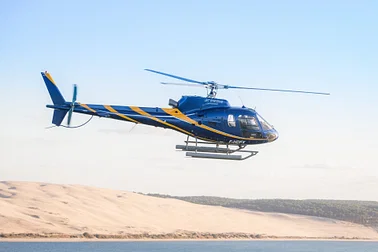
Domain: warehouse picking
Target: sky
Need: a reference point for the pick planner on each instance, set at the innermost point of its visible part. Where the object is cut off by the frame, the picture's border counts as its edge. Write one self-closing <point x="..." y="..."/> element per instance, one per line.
<point x="327" y="147"/>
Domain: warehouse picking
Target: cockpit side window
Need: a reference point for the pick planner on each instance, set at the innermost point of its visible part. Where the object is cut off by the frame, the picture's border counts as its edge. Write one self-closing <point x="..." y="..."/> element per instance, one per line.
<point x="231" y="121"/>
<point x="248" y="123"/>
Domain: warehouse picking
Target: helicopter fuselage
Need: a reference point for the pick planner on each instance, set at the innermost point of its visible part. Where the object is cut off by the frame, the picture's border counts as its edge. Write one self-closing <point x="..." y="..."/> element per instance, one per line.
<point x="208" y="119"/>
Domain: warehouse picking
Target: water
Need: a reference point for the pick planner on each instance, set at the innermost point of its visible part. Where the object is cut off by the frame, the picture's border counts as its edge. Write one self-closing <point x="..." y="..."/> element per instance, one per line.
<point x="188" y="246"/>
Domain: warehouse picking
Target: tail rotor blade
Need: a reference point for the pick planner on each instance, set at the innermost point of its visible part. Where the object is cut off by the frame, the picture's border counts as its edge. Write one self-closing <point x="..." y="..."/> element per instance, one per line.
<point x="74" y="93"/>
<point x="69" y="116"/>
<point x="74" y="97"/>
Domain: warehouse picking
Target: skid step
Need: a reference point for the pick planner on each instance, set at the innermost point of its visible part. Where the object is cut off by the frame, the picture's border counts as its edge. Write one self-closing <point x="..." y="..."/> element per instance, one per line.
<point x="213" y="156"/>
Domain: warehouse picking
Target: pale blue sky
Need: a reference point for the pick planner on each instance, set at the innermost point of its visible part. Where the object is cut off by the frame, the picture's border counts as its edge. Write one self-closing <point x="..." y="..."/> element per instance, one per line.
<point x="327" y="146"/>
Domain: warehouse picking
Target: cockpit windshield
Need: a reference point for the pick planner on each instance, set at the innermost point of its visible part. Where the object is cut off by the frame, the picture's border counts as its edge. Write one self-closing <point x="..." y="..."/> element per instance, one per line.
<point x="248" y="123"/>
<point x="264" y="124"/>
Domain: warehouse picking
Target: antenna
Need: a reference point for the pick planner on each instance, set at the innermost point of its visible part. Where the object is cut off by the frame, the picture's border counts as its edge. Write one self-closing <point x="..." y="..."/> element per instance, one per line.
<point x="241" y="100"/>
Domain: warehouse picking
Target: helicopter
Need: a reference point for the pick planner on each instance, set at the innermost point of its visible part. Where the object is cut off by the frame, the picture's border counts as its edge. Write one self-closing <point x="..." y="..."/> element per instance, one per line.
<point x="218" y="130"/>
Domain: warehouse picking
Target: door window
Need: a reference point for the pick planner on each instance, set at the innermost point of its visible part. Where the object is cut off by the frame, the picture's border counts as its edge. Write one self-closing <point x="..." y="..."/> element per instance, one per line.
<point x="231" y="121"/>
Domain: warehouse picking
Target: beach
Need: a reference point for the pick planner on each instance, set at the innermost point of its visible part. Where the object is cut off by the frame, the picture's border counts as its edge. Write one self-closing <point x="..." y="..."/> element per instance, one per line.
<point x="56" y="212"/>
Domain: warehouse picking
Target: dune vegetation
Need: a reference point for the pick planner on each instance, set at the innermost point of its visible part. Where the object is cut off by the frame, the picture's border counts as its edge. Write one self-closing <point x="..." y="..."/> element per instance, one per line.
<point x="361" y="212"/>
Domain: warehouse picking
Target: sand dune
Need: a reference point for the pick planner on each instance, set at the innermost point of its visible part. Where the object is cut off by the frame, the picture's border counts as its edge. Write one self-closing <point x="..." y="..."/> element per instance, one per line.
<point x="74" y="209"/>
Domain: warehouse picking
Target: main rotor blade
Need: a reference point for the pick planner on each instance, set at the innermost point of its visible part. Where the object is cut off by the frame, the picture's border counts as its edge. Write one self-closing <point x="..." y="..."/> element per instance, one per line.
<point x="177" y="77"/>
<point x="182" y="84"/>
<point x="278" y="90"/>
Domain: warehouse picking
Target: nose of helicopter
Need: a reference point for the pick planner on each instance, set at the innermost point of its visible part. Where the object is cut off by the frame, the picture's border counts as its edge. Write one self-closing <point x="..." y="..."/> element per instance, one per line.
<point x="272" y="135"/>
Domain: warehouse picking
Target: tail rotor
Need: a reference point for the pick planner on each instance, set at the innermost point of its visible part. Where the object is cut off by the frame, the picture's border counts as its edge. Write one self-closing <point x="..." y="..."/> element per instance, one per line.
<point x="61" y="106"/>
<point x="74" y="97"/>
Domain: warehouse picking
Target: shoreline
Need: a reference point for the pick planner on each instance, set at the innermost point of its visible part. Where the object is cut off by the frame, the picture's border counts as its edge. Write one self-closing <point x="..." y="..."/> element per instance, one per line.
<point x="176" y="240"/>
<point x="164" y="238"/>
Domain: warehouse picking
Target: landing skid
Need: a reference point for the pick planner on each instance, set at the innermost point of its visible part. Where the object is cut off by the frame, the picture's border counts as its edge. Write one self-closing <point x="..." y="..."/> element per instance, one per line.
<point x="197" y="151"/>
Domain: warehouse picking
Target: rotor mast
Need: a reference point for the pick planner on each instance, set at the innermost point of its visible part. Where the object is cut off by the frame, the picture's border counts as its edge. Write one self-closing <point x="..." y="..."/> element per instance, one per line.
<point x="213" y="90"/>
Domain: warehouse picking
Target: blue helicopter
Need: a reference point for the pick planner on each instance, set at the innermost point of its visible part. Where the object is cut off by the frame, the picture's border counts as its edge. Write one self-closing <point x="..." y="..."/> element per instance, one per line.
<point x="210" y="121"/>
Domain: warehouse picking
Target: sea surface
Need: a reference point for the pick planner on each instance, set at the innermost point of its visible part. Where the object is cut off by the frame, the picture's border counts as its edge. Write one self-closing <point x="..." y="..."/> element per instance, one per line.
<point x="186" y="246"/>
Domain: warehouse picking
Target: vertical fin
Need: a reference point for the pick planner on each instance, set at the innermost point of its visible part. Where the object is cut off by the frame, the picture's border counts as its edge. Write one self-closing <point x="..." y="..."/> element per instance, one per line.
<point x="56" y="96"/>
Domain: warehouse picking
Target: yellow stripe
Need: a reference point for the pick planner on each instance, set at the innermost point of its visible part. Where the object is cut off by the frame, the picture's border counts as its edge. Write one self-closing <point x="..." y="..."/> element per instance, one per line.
<point x="119" y="114"/>
<point x="139" y="111"/>
<point x="50" y="78"/>
<point x="87" y="107"/>
<point x="178" y="114"/>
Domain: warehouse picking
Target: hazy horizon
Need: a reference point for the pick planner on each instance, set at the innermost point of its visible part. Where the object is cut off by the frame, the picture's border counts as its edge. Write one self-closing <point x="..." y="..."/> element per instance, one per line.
<point x="327" y="145"/>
